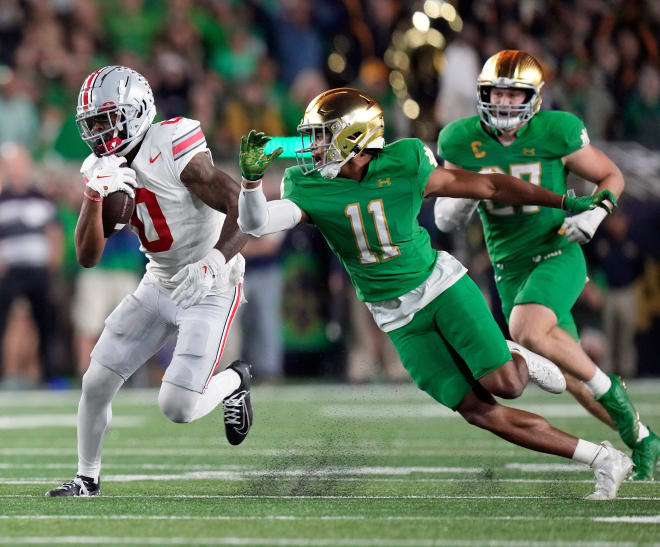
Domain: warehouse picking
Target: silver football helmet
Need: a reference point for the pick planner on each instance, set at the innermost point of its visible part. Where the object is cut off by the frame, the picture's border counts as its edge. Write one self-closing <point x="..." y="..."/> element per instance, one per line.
<point x="115" y="109"/>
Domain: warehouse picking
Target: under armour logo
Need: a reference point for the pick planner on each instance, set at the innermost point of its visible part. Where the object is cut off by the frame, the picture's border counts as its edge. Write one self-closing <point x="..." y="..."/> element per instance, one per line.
<point x="528" y="151"/>
<point x="385" y="182"/>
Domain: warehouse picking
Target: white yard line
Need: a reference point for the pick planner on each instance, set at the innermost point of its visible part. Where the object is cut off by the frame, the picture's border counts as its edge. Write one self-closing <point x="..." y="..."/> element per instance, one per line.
<point x="296" y="542"/>
<point x="629" y="519"/>
<point x="329" y="497"/>
<point x="32" y="421"/>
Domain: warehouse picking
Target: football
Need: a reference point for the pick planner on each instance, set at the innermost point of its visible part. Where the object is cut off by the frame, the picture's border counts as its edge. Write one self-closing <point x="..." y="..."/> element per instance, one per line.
<point x="116" y="212"/>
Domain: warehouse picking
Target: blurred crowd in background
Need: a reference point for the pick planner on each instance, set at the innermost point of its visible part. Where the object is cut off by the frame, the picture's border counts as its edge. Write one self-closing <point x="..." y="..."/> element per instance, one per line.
<point x="236" y="65"/>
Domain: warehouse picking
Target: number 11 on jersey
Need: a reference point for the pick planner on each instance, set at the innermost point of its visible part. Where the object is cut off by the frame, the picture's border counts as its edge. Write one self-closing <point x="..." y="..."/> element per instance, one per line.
<point x="388" y="249"/>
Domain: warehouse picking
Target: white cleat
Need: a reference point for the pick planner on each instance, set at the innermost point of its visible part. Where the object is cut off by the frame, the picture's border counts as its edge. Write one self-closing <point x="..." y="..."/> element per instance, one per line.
<point x="610" y="473"/>
<point x="542" y="372"/>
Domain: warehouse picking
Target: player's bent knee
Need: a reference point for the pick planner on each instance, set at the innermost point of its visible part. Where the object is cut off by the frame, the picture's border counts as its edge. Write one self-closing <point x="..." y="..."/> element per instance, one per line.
<point x="100" y="382"/>
<point x="504" y="382"/>
<point x="527" y="335"/>
<point x="177" y="403"/>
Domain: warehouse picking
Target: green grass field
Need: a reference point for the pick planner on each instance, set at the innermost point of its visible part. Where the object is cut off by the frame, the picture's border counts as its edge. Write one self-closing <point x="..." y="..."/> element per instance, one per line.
<point x="323" y="465"/>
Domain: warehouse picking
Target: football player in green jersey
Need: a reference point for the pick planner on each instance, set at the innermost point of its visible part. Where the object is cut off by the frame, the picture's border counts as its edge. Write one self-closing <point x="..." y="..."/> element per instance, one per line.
<point x="365" y="197"/>
<point x="539" y="266"/>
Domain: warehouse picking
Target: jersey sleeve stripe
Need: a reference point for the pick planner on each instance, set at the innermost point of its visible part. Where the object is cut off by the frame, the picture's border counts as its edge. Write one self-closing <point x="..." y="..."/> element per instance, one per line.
<point x="186" y="135"/>
<point x="185" y="146"/>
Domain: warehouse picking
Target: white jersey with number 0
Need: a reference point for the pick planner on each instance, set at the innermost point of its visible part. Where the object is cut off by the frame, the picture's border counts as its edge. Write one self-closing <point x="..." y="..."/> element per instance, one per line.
<point x="174" y="226"/>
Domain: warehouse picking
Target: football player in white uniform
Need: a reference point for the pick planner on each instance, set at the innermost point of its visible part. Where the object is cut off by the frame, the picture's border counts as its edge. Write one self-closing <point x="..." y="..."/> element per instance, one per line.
<point x="185" y="216"/>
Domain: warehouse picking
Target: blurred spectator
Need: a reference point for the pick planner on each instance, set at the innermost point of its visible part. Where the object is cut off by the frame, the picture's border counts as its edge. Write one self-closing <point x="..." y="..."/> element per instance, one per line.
<point x="132" y="25"/>
<point x="239" y="61"/>
<point x="30" y="250"/>
<point x="100" y="289"/>
<point x="642" y="113"/>
<point x="20" y="118"/>
<point x="373" y="80"/>
<point x="307" y="85"/>
<point x="619" y="259"/>
<point x="296" y="41"/>
<point x="12" y="24"/>
<point x="582" y="91"/>
<point x="261" y="315"/>
<point x="371" y="354"/>
<point x="458" y="79"/>
<point x="251" y="108"/>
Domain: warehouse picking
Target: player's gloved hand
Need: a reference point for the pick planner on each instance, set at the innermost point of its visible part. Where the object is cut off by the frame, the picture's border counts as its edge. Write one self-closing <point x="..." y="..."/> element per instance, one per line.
<point x="108" y="177"/>
<point x="252" y="158"/>
<point x="581" y="228"/>
<point x="195" y="281"/>
<point x="604" y="199"/>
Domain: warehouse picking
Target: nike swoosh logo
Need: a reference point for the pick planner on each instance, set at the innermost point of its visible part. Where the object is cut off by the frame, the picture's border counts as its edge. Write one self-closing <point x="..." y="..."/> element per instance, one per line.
<point x="245" y="426"/>
<point x="155" y="157"/>
<point x="103" y="176"/>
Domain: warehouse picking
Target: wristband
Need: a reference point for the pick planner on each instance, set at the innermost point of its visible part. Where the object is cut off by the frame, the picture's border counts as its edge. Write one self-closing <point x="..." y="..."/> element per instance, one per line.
<point x="246" y="181"/>
<point x="91" y="197"/>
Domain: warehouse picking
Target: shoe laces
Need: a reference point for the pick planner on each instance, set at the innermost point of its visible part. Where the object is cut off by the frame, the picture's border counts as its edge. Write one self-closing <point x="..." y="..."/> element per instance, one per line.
<point x="70" y="485"/>
<point x="76" y="482"/>
<point x="233" y="408"/>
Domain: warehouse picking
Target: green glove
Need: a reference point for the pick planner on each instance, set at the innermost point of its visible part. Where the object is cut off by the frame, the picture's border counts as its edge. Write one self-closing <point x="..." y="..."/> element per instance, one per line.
<point x="585" y="203"/>
<point x="252" y="159"/>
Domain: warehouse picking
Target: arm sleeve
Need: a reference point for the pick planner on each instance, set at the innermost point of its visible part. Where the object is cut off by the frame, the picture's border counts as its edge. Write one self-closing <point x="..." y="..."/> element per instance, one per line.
<point x="258" y="217"/>
<point x="453" y="213"/>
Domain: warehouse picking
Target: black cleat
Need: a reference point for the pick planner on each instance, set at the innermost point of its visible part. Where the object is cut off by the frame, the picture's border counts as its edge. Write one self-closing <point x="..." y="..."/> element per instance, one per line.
<point x="79" y="486"/>
<point x="237" y="406"/>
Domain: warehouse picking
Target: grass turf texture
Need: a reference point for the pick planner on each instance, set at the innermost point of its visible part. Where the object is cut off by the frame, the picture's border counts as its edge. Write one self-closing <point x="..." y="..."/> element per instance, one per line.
<point x="323" y="465"/>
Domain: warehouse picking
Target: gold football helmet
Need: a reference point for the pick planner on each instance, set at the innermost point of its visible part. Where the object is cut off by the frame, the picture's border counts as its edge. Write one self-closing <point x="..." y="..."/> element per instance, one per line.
<point x="337" y="125"/>
<point x="509" y="68"/>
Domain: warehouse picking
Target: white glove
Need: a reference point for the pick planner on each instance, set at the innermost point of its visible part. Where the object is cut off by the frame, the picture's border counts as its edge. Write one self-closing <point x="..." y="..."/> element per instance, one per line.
<point x="108" y="177"/>
<point x="582" y="227"/>
<point x="196" y="280"/>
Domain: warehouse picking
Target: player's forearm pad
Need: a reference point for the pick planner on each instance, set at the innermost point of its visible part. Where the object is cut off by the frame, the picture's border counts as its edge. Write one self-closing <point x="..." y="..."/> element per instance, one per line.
<point x="259" y="217"/>
<point x="452" y="213"/>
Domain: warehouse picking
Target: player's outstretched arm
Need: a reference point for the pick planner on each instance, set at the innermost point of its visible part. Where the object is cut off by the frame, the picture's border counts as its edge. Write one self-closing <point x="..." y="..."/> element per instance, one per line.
<point x="256" y="215"/>
<point x="506" y="189"/>
<point x="451" y="214"/>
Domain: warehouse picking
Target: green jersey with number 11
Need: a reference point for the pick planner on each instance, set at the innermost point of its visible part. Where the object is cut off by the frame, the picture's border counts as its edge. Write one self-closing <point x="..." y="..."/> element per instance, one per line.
<point x="371" y="225"/>
<point x="514" y="233"/>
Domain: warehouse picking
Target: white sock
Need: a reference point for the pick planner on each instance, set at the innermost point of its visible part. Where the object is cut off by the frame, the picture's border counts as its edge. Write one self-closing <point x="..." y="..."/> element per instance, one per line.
<point x="219" y="387"/>
<point x="589" y="453"/>
<point x="599" y="384"/>
<point x="643" y="432"/>
<point x="100" y="385"/>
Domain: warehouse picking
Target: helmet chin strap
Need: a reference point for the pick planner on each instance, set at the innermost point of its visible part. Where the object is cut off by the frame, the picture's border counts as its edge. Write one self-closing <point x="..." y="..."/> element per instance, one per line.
<point x="331" y="170"/>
